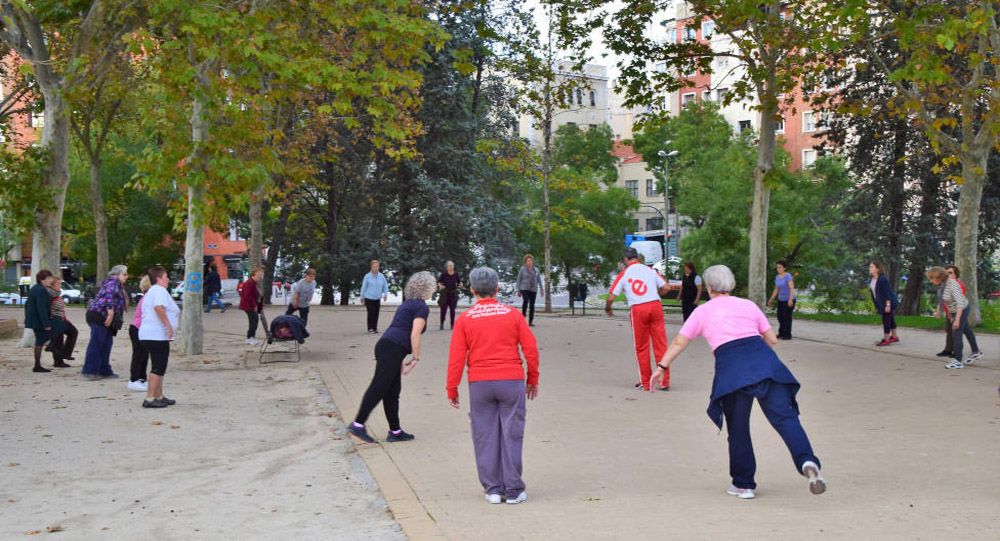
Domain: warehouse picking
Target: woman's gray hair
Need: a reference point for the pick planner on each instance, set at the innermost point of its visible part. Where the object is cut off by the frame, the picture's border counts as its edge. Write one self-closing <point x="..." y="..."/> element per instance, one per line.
<point x="118" y="269"/>
<point x="719" y="279"/>
<point x="420" y="286"/>
<point x="484" y="281"/>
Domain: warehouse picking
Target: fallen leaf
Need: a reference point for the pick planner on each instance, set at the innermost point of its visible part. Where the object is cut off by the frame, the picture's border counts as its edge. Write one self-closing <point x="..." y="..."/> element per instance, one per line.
<point x="156" y="423"/>
<point x="329" y="413"/>
<point x="175" y="427"/>
<point x="13" y="465"/>
<point x="54" y="529"/>
<point x="32" y="532"/>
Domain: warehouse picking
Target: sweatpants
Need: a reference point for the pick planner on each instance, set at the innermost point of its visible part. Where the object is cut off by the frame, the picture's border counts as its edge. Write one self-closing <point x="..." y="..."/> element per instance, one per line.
<point x="64" y="343"/>
<point x="528" y="304"/>
<point x="785" y="318"/>
<point x="140" y="357"/>
<point x="497" y="411"/>
<point x="386" y="384"/>
<point x="450" y="303"/>
<point x="648" y="325"/>
<point x="775" y="400"/>
<point x="373" y="306"/>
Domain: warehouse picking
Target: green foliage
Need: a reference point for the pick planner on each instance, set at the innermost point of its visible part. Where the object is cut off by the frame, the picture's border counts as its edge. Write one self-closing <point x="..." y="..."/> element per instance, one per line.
<point x="22" y="191"/>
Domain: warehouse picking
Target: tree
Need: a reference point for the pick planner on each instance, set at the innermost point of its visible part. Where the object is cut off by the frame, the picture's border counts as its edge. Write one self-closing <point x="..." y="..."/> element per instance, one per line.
<point x="54" y="39"/>
<point x="950" y="83"/>
<point x="774" y="42"/>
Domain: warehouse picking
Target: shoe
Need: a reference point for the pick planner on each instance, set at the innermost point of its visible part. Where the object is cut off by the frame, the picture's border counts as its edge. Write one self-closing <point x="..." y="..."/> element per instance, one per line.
<point x="360" y="432"/>
<point x="61" y="364"/>
<point x="167" y="401"/>
<point x="944" y="353"/>
<point x="741" y="493"/>
<point x="402" y="436"/>
<point x="252" y="341"/>
<point x="40" y="370"/>
<point x="92" y="377"/>
<point x="494" y="499"/>
<point x="968" y="360"/>
<point x="208" y="311"/>
<point x="639" y="387"/>
<point x="884" y="342"/>
<point x="954" y="364"/>
<point x="893" y="339"/>
<point x="110" y="376"/>
<point x="154" y="403"/>
<point x="137" y="385"/>
<point x="69" y="358"/>
<point x="664" y="388"/>
<point x="817" y="485"/>
<point x="521" y="498"/>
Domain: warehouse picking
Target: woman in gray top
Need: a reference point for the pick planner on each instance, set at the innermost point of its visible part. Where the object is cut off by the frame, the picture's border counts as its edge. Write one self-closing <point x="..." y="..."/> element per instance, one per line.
<point x="958" y="313"/>
<point x="529" y="286"/>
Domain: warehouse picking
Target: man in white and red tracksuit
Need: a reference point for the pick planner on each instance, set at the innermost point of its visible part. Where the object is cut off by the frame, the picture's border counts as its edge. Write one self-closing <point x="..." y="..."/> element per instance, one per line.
<point x="643" y="287"/>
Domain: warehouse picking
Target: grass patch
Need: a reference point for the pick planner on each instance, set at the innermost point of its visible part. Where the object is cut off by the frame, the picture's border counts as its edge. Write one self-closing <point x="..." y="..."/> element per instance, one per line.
<point x="916" y="322"/>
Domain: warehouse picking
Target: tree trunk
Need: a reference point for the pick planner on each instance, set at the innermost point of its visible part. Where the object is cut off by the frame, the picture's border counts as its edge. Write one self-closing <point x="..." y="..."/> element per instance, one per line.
<point x="277" y="242"/>
<point x="757" y="275"/>
<point x="546" y="203"/>
<point x="974" y="170"/>
<point x="100" y="218"/>
<point x="345" y="293"/>
<point x="46" y="242"/>
<point x="256" y="247"/>
<point x="924" y="250"/>
<point x="191" y="332"/>
<point x="895" y="202"/>
<point x="327" y="297"/>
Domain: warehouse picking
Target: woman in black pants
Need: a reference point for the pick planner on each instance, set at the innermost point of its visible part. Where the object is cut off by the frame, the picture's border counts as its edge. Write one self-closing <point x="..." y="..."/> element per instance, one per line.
<point x="402" y="338"/>
<point x="140" y="357"/>
<point x="885" y="301"/>
<point x="529" y="286"/>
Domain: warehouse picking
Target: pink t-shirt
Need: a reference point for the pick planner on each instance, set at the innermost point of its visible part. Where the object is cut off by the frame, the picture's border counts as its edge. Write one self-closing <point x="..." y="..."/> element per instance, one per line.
<point x="724" y="319"/>
<point x="138" y="314"/>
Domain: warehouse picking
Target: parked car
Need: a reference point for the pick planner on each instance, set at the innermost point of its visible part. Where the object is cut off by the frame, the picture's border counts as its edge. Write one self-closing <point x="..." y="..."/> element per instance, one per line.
<point x="178" y="290"/>
<point x="70" y="294"/>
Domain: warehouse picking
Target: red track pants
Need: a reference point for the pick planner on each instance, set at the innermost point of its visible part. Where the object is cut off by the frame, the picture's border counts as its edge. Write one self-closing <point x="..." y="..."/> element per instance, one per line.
<point x="648" y="324"/>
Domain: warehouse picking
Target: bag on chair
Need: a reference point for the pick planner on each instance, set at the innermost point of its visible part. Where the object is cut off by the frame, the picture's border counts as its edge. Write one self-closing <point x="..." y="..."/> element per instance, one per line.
<point x="27" y="339"/>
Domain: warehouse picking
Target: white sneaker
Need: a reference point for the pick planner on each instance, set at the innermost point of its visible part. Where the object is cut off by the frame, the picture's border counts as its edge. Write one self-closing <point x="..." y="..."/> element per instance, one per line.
<point x="493" y="498"/>
<point x="974" y="357"/>
<point x="137" y="385"/>
<point x="741" y="493"/>
<point x="521" y="498"/>
<point x="252" y="341"/>
<point x="817" y="485"/>
<point x="953" y="365"/>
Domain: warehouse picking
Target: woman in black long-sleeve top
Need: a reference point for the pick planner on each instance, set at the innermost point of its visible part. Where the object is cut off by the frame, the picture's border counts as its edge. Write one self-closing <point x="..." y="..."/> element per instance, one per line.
<point x="36" y="315"/>
<point x="885" y="301"/>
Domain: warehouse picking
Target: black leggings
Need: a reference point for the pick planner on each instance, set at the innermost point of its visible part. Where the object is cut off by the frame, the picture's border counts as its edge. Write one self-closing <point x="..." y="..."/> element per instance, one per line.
<point x="386" y="383"/>
<point x="888" y="322"/>
<point x="159" y="354"/>
<point x="528" y="304"/>
<point x="450" y="303"/>
<point x="140" y="357"/>
<point x="254" y="319"/>
<point x="785" y="318"/>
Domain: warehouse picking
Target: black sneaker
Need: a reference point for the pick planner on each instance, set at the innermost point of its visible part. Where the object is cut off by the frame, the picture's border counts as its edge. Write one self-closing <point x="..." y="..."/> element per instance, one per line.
<point x="360" y="432"/>
<point x="944" y="353"/>
<point x="168" y="401"/>
<point x="402" y="436"/>
<point x="110" y="376"/>
<point x="154" y="403"/>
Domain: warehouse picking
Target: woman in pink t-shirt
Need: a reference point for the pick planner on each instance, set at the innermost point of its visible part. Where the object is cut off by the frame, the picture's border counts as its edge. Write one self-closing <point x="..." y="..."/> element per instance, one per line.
<point x="745" y="368"/>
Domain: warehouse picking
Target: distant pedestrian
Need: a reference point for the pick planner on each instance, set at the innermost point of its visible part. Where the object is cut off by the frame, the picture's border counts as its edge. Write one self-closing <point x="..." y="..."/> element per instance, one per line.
<point x="957" y="305"/>
<point x="643" y="287"/>
<point x="140" y="357"/>
<point x="885" y="300"/>
<point x="105" y="316"/>
<point x="213" y="288"/>
<point x="374" y="291"/>
<point x="489" y="339"/>
<point x="252" y="302"/>
<point x="64" y="333"/>
<point x="746" y="368"/>
<point x="156" y="331"/>
<point x="402" y="338"/>
<point x="690" y="290"/>
<point x="784" y="290"/>
<point x="302" y="295"/>
<point x="37" y="315"/>
<point x="529" y="287"/>
<point x="448" y="285"/>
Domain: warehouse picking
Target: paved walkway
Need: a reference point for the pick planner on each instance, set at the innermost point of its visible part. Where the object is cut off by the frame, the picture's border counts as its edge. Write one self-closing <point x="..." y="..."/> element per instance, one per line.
<point x="910" y="449"/>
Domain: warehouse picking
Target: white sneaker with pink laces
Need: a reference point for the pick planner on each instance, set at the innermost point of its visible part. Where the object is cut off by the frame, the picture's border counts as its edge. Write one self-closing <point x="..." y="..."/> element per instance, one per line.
<point x="741" y="493"/>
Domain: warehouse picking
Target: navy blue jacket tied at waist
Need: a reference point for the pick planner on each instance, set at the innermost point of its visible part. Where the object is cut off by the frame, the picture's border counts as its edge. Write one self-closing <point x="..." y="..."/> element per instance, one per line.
<point x="745" y="362"/>
<point x="294" y="324"/>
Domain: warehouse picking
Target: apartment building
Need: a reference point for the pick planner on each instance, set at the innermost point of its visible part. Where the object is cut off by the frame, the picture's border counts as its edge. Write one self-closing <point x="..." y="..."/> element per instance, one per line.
<point x="588" y="104"/>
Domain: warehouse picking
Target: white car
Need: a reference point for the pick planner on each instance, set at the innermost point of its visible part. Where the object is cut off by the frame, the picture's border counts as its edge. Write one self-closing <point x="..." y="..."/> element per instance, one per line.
<point x="70" y="294"/>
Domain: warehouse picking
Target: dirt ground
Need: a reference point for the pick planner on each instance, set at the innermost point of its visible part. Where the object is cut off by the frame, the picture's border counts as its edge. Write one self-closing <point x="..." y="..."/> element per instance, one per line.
<point x="910" y="450"/>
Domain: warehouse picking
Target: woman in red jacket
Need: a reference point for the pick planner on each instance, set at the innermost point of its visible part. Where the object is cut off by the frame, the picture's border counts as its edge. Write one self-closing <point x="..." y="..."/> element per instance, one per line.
<point x="486" y="339"/>
<point x="252" y="302"/>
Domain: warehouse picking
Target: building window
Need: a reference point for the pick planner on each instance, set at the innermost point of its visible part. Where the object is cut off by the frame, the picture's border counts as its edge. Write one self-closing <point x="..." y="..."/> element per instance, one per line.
<point x="593" y="98"/>
<point x="706" y="95"/>
<point x="707" y="29"/>
<point x="808" y="121"/>
<point x="579" y="96"/>
<point x="687" y="99"/>
<point x="672" y="35"/>
<point x="745" y="126"/>
<point x="37" y="119"/>
<point x="779" y="126"/>
<point x="650" y="188"/>
<point x="721" y="63"/>
<point x="654" y="223"/>
<point x="808" y="158"/>
<point x="633" y="188"/>
<point x="690" y="34"/>
<point x="720" y="94"/>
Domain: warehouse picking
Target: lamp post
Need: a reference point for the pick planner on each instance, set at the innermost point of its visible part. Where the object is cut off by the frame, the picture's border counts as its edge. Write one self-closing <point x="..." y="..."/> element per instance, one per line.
<point x="666" y="191"/>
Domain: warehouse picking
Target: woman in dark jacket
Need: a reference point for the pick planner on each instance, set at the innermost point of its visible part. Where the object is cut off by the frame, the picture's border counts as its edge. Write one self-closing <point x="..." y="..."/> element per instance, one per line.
<point x="252" y="302"/>
<point x="36" y="315"/>
<point x="448" y="285"/>
<point x="885" y="301"/>
<point x="105" y="316"/>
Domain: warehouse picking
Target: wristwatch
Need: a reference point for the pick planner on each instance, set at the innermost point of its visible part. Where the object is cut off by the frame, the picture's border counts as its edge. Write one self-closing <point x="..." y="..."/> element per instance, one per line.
<point x="661" y="366"/>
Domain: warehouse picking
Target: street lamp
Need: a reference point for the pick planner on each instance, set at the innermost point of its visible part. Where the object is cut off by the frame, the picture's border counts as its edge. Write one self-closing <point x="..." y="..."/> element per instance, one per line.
<point x="666" y="190"/>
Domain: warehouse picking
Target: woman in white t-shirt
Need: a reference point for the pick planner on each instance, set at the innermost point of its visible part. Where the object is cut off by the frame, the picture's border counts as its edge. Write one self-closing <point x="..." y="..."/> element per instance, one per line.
<point x="159" y="319"/>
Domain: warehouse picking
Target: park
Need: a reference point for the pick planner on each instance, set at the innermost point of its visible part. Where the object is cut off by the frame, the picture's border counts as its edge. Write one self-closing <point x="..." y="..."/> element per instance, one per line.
<point x="217" y="217"/>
